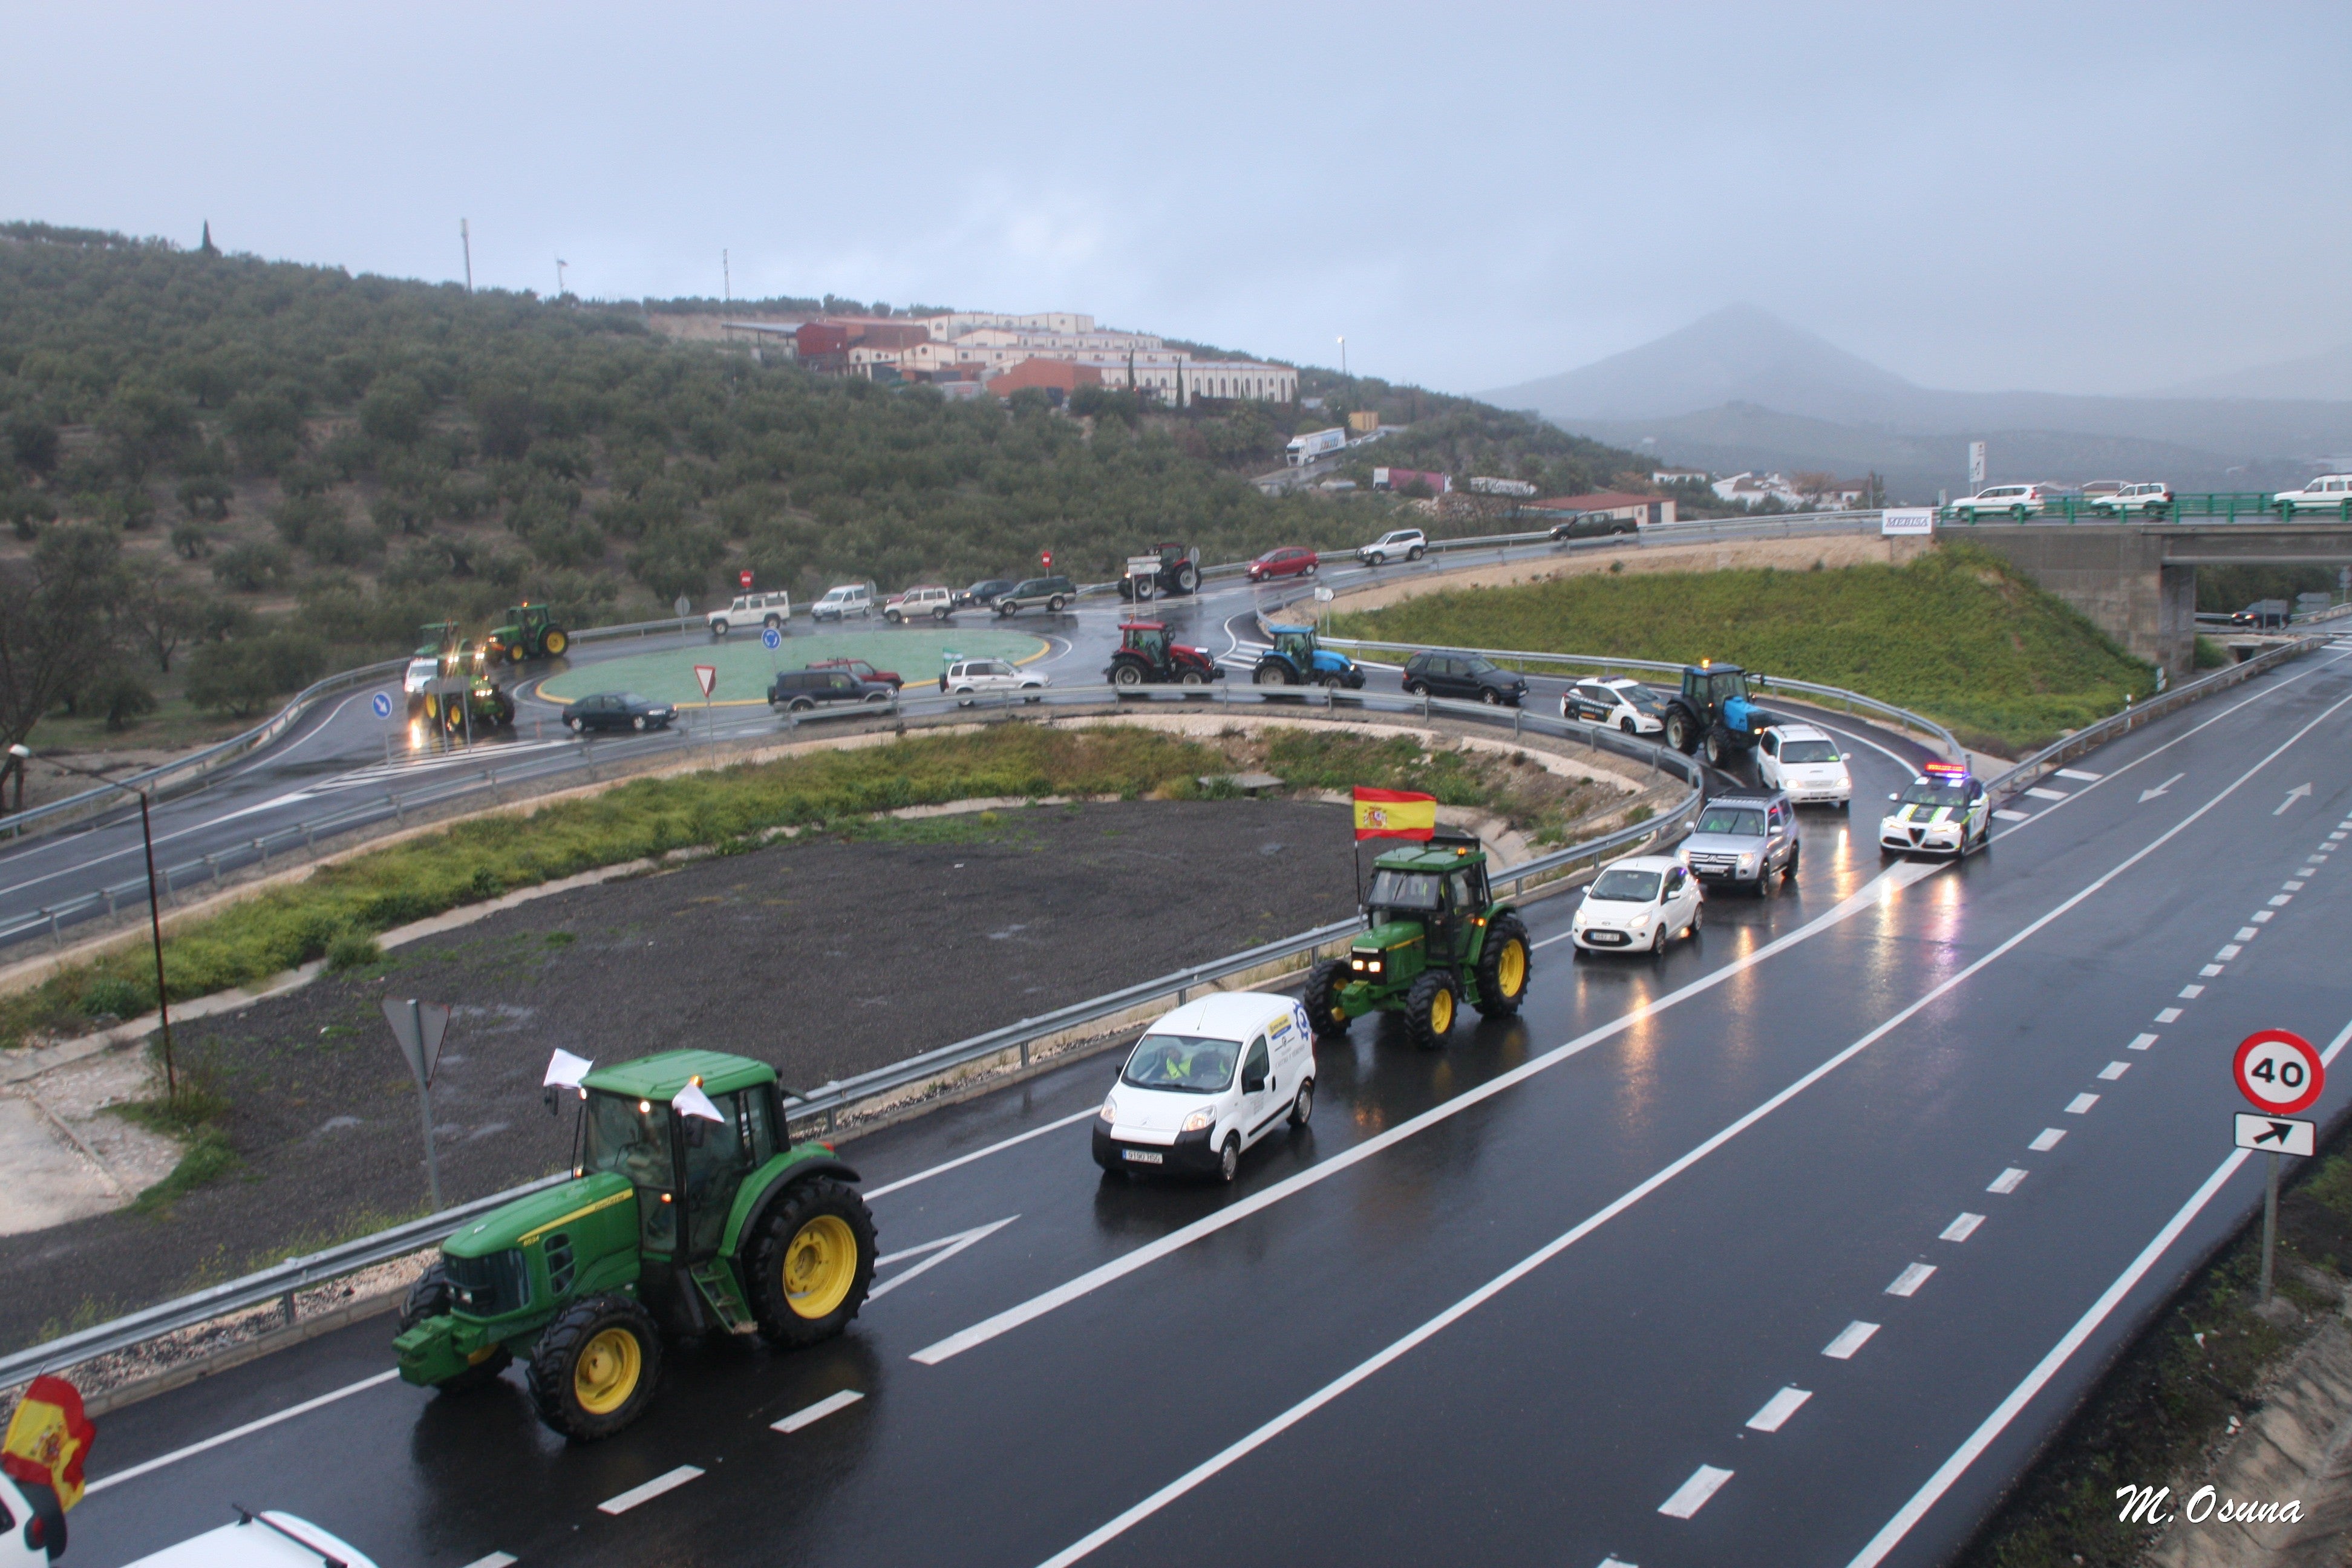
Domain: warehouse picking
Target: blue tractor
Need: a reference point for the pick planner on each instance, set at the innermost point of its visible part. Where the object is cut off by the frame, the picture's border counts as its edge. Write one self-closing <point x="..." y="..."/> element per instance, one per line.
<point x="1713" y="709"/>
<point x="1296" y="658"/>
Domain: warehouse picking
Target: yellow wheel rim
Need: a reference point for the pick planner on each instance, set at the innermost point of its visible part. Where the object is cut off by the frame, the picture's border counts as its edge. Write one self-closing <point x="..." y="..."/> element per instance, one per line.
<point x="555" y="642"/>
<point x="1511" y="968"/>
<point x="1440" y="1011"/>
<point x="820" y="1265"/>
<point x="607" y="1371"/>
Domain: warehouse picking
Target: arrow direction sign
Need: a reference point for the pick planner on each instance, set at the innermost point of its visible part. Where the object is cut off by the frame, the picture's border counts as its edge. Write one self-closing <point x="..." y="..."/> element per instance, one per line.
<point x="2297" y="793"/>
<point x="770" y="638"/>
<point x="2147" y="795"/>
<point x="381" y="703"/>
<point x="2279" y="1133"/>
<point x="942" y="1249"/>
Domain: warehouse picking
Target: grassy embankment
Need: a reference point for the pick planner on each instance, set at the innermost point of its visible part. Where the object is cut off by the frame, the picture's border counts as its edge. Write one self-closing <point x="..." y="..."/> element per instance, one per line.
<point x="1958" y="635"/>
<point x="336" y="913"/>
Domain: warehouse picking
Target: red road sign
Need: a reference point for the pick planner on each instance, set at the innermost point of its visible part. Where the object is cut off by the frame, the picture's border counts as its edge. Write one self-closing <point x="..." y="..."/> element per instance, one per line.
<point x="2279" y="1072"/>
<point x="1045" y="559"/>
<point x="744" y="577"/>
<point x="708" y="675"/>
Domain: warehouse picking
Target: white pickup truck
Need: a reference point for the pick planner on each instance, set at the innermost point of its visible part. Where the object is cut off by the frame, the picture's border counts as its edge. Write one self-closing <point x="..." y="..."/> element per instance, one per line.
<point x="749" y="610"/>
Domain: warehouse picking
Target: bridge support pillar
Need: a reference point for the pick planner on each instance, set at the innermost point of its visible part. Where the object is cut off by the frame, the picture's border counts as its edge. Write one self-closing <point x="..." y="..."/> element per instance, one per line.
<point x="2116" y="576"/>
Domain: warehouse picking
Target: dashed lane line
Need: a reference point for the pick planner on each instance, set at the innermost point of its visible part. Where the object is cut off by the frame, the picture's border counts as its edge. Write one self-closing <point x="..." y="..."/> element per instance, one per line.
<point x="495" y="1560"/>
<point x="808" y="1416"/>
<point x="1913" y="1275"/>
<point x="2046" y="1139"/>
<point x="2141" y="1042"/>
<point x="1850" y="1339"/>
<point x="668" y="1481"/>
<point x="1000" y="1146"/>
<point x="233" y="1434"/>
<point x="2115" y="1070"/>
<point x="1691" y="1495"/>
<point x="2006" y="1183"/>
<point x="2080" y="1104"/>
<point x="1778" y="1409"/>
<point x="1891" y="1534"/>
<point x="1961" y="1228"/>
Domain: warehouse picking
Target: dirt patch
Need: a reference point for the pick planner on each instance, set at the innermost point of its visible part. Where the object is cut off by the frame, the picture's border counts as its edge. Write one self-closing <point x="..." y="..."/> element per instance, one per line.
<point x="825" y="958"/>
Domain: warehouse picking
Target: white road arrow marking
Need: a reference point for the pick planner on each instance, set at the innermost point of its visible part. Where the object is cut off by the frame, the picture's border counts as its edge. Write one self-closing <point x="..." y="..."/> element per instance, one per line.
<point x="2148" y="794"/>
<point x="942" y="1249"/>
<point x="2297" y="793"/>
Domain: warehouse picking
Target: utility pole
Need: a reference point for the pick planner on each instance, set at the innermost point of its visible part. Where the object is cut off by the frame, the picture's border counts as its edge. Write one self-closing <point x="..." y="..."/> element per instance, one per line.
<point x="466" y="239"/>
<point x="726" y="280"/>
<point x="1343" y="359"/>
<point x="560" y="265"/>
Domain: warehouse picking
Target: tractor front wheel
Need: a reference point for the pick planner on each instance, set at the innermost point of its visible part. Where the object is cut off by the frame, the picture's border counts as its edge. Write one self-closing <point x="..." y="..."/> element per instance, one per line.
<point x="1429" y="1010"/>
<point x="1718" y="745"/>
<point x="592" y="1372"/>
<point x="1326" y="1015"/>
<point x="432" y="1296"/>
<point x="1502" y="968"/>
<point x="813" y="1263"/>
<point x="1192" y="677"/>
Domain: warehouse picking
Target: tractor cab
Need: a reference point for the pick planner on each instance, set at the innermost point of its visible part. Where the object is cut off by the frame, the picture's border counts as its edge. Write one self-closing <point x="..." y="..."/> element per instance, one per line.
<point x="530" y="632"/>
<point x="1147" y="654"/>
<point x="1716" y="708"/>
<point x="1298" y="657"/>
<point x="1432" y="889"/>
<point x="1144" y="640"/>
<point x="682" y="1155"/>
<point x="1433" y="939"/>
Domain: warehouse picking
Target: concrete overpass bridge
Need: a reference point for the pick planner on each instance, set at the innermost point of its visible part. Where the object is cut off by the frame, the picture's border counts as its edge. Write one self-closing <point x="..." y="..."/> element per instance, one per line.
<point x="2137" y="580"/>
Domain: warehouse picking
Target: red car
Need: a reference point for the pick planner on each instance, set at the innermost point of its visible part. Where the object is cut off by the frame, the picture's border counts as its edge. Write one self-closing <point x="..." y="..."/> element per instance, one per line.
<point x="863" y="671"/>
<point x="1290" y="561"/>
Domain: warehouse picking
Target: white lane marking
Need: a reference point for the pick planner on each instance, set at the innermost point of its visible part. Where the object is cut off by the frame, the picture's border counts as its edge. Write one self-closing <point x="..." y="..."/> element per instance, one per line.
<point x="495" y="1560"/>
<point x="888" y="1188"/>
<point x="2080" y="1104"/>
<point x="1013" y="1317"/>
<point x="2278" y="899"/>
<point x="2079" y="774"/>
<point x="2229" y="949"/>
<point x="2140" y="1042"/>
<point x="1778" y="1409"/>
<point x="2209" y="971"/>
<point x="2040" y="794"/>
<point x="1907" y="1283"/>
<point x="1850" y="1338"/>
<point x="1863" y="740"/>
<point x="948" y="1245"/>
<point x="2263" y="916"/>
<point x="2148" y="794"/>
<point x="1962" y="1228"/>
<point x="1691" y="1495"/>
<point x="1150" y="1252"/>
<point x="2190" y="993"/>
<point x="2297" y="793"/>
<point x="2247" y="933"/>
<point x="2006" y="1183"/>
<point x="1617" y="1562"/>
<point x="2335" y="838"/>
<point x="2291" y="886"/>
<point x="1549" y="940"/>
<point x="232" y="1435"/>
<point x="2114" y="1070"/>
<point x="668" y="1481"/>
<point x="2170" y="1015"/>
<point x="810" y="1415"/>
<point x="2008" y="815"/>
<point x="1911" y="1512"/>
<point x="2047" y="1140"/>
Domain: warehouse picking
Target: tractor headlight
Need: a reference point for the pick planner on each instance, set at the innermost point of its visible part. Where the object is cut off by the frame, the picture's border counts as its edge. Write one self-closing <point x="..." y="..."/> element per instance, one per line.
<point x="1200" y="1121"/>
<point x="1110" y="1108"/>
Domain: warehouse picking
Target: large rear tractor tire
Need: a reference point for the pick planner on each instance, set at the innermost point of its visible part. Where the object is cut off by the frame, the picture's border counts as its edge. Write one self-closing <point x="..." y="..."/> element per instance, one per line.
<point x="1429" y="1009"/>
<point x="1681" y="732"/>
<point x="593" y="1370"/>
<point x="1128" y="674"/>
<point x="555" y="643"/>
<point x="1188" y="578"/>
<point x="1502" y="968"/>
<point x="433" y="1296"/>
<point x="1325" y="1014"/>
<point x="813" y="1263"/>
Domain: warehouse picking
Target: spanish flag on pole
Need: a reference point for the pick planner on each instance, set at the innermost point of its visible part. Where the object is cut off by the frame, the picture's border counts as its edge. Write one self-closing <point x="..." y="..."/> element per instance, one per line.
<point x="1394" y="814"/>
<point x="47" y="1440"/>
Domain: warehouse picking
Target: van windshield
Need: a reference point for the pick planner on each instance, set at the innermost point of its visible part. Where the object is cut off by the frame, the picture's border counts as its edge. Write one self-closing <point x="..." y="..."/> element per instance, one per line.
<point x="1183" y="1063"/>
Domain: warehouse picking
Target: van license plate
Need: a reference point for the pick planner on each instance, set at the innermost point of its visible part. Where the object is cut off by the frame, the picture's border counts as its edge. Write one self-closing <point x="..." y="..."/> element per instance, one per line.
<point x="1140" y="1156"/>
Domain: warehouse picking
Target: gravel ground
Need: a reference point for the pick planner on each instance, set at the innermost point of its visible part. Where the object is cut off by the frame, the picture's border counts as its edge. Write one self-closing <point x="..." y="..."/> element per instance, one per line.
<point x="825" y="958"/>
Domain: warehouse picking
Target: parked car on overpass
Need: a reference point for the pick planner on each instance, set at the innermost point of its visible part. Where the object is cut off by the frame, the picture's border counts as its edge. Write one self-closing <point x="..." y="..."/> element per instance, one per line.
<point x="2151" y="499"/>
<point x="2016" y="502"/>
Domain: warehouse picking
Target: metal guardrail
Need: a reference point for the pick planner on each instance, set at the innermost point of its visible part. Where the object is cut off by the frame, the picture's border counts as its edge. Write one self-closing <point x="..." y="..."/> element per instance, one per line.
<point x="2251" y="506"/>
<point x="826" y="1102"/>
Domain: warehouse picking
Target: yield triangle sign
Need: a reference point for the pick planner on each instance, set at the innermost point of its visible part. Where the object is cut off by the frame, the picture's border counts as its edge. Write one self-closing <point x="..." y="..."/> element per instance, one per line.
<point x="706" y="675"/>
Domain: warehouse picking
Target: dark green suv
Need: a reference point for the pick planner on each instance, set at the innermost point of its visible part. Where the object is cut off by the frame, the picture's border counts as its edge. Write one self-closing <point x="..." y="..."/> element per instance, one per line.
<point x="1050" y="593"/>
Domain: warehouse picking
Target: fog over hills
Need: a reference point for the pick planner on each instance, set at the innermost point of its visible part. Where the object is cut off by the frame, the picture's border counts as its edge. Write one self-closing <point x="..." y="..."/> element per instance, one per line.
<point x="1742" y="389"/>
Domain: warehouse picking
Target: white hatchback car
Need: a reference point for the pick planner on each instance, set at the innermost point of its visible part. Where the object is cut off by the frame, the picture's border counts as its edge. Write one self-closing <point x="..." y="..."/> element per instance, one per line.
<point x="1804" y="764"/>
<point x="1638" y="905"/>
<point x="1397" y="543"/>
<point x="265" y="1540"/>
<point x="1619" y="702"/>
<point x="1207" y="1082"/>
<point x="973" y="677"/>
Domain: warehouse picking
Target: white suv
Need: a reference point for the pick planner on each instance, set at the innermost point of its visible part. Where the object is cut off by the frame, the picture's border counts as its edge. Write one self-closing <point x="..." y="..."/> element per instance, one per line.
<point x="2016" y="502"/>
<point x="971" y="677"/>
<point x="1804" y="764"/>
<point x="767" y="609"/>
<point x="2329" y="492"/>
<point x="936" y="603"/>
<point x="1410" y="543"/>
<point x="848" y="599"/>
<point x="2148" y="500"/>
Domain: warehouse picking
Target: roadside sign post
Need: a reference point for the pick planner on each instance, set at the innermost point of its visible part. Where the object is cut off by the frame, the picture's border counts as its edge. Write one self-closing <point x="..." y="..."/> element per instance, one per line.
<point x="419" y="1028"/>
<point x="2280" y="1073"/>
<point x="706" y="676"/>
<point x="771" y="638"/>
<point x="381" y="703"/>
<point x="1322" y="606"/>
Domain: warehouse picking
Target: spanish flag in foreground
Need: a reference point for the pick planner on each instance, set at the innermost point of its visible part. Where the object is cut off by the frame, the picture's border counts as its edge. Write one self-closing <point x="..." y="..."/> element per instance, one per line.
<point x="1394" y="814"/>
<point x="47" y="1440"/>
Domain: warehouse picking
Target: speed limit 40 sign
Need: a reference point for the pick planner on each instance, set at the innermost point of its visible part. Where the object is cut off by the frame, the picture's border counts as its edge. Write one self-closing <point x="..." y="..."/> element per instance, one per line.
<point x="2278" y="1071"/>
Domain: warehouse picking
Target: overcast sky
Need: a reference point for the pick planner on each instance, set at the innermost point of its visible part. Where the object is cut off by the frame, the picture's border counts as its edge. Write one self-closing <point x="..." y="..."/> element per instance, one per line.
<point x="2071" y="198"/>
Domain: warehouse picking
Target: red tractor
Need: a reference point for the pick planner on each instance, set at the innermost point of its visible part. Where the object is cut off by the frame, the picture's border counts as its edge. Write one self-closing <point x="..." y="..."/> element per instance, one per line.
<point x="1148" y="655"/>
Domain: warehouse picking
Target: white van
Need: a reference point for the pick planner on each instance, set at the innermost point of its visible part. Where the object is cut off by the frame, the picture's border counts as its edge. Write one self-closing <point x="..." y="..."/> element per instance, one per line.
<point x="1207" y="1082"/>
<point x="848" y="599"/>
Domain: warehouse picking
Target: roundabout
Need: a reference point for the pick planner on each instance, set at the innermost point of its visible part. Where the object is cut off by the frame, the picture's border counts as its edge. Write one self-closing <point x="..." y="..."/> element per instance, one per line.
<point x="745" y="667"/>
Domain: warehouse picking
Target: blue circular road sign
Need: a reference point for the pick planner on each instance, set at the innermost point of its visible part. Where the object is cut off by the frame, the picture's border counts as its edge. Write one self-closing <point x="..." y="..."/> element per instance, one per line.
<point x="383" y="705"/>
<point x="770" y="638"/>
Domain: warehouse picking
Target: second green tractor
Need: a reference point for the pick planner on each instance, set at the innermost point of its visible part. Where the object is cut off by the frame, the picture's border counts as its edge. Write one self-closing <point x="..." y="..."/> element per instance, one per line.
<point x="1434" y="941"/>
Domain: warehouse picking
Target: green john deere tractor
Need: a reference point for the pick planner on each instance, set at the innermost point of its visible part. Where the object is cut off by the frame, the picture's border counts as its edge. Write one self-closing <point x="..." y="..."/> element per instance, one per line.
<point x="1434" y="939"/>
<point x="673" y="1222"/>
<point x="530" y="632"/>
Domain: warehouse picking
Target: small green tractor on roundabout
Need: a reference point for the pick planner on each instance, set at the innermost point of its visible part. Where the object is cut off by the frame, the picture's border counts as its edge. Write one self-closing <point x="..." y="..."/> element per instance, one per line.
<point x="1434" y="939"/>
<point x="689" y="1212"/>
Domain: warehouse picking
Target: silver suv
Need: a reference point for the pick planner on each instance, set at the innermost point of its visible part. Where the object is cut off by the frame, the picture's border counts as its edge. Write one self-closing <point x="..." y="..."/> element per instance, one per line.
<point x="1746" y="838"/>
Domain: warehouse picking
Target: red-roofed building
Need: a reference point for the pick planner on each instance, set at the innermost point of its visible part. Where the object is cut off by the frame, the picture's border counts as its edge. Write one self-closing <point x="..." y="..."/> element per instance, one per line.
<point x="1058" y="377"/>
<point x="1614" y="504"/>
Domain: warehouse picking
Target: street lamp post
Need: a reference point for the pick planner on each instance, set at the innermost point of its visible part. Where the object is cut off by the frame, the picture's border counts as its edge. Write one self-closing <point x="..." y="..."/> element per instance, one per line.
<point x="154" y="909"/>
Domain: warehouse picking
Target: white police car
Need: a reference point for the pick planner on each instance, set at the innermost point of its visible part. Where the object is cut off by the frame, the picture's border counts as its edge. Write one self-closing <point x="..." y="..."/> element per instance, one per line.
<point x="1207" y="1082"/>
<point x="1945" y="812"/>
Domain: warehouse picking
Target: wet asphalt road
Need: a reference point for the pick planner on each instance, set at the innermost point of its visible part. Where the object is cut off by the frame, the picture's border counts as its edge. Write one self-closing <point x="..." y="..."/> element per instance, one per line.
<point x="1508" y="1303"/>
